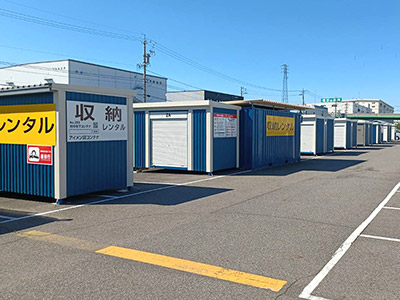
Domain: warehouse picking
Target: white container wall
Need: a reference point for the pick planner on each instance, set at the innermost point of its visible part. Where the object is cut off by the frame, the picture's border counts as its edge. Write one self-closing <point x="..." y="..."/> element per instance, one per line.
<point x="386" y="132"/>
<point x="343" y="134"/>
<point x="312" y="134"/>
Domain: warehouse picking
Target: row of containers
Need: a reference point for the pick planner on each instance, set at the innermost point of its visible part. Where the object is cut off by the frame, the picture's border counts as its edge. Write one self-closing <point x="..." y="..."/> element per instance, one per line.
<point x="323" y="134"/>
<point x="60" y="141"/>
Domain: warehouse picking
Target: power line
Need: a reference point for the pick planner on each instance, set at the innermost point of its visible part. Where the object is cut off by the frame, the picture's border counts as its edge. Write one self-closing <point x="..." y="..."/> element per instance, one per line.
<point x="109" y="34"/>
<point x="66" y="26"/>
<point x="97" y="60"/>
<point x="69" y="17"/>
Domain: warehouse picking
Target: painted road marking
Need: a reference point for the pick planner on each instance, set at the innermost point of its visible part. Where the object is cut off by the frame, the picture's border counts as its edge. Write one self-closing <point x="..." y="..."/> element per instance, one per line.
<point x="391" y="207"/>
<point x="306" y="293"/>
<point x="123" y="196"/>
<point x="158" y="183"/>
<point x="160" y="260"/>
<point x="7" y="217"/>
<point x="60" y="240"/>
<point x="195" y="268"/>
<point x="102" y="196"/>
<point x="380" y="238"/>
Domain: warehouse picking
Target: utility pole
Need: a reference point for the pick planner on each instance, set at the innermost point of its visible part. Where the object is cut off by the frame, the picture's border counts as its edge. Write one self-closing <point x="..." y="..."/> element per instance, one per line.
<point x="336" y="102"/>
<point x="243" y="91"/>
<point x="303" y="91"/>
<point x="146" y="62"/>
<point x="285" y="97"/>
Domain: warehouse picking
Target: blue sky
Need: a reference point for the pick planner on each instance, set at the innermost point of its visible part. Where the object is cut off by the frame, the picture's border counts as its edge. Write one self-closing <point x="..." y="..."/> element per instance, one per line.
<point x="338" y="48"/>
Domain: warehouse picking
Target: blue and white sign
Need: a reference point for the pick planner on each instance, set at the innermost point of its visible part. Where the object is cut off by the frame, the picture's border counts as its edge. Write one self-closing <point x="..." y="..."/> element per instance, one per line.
<point x="94" y="122"/>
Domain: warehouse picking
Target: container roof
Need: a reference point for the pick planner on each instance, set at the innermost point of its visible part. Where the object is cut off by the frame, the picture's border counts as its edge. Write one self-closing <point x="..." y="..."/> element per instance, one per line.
<point x="268" y="104"/>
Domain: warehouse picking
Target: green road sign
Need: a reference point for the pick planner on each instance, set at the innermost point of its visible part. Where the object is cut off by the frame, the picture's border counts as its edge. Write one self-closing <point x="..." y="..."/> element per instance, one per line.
<point x="331" y="99"/>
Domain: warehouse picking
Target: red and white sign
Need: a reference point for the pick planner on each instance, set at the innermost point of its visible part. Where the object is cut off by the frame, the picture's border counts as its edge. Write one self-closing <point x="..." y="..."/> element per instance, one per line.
<point x="217" y="115"/>
<point x="39" y="155"/>
<point x="225" y="125"/>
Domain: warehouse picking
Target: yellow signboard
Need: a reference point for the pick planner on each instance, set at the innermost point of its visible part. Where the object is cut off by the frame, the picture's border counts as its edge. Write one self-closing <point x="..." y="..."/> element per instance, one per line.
<point x="280" y="126"/>
<point x="28" y="124"/>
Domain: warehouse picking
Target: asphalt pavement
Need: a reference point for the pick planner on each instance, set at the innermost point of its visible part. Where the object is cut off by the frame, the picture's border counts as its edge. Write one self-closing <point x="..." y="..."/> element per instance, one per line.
<point x="276" y="233"/>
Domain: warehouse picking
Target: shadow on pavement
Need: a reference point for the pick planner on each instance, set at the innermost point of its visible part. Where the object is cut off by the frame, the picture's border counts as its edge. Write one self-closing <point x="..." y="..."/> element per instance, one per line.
<point x="154" y="193"/>
<point x="13" y="220"/>
<point x="349" y="153"/>
<point x="318" y="165"/>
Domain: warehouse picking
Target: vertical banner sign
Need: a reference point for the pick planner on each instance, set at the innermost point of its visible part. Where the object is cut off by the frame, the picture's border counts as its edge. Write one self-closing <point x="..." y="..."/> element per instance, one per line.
<point x="28" y="124"/>
<point x="91" y="122"/>
<point x="225" y="125"/>
<point x="39" y="155"/>
<point x="280" y="126"/>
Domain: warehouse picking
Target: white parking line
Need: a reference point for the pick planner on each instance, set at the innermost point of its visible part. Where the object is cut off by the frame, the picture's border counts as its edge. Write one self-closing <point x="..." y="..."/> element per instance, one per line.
<point x="123" y="196"/>
<point x="306" y="293"/>
<point x="7" y="217"/>
<point x="391" y="207"/>
<point x="380" y="238"/>
<point x="103" y="196"/>
<point x="158" y="183"/>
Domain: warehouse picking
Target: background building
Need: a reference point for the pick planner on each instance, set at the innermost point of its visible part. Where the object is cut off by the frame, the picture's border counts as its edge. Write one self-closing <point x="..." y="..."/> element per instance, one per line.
<point x="201" y="95"/>
<point x="318" y="110"/>
<point x="377" y="106"/>
<point x="346" y="107"/>
<point x="80" y="73"/>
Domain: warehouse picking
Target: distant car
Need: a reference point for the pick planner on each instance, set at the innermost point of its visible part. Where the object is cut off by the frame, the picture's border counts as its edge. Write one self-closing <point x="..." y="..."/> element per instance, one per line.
<point x="398" y="134"/>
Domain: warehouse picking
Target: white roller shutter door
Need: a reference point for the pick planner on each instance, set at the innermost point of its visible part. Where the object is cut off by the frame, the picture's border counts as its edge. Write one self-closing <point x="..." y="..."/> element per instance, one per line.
<point x="169" y="142"/>
<point x="308" y="137"/>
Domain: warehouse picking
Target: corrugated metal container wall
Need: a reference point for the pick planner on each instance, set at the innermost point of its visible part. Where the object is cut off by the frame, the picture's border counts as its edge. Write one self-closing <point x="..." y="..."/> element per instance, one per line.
<point x="16" y="175"/>
<point x="199" y="139"/>
<point x="371" y="134"/>
<point x="140" y="139"/>
<point x="257" y="150"/>
<point x="330" y="134"/>
<point x="100" y="165"/>
<point x="368" y="134"/>
<point x="320" y="136"/>
<point x="224" y="149"/>
<point x="348" y="135"/>
<point x="354" y="134"/>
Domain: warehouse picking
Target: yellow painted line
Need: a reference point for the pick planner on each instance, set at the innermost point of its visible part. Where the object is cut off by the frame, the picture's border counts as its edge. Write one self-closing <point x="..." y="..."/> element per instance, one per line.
<point x="60" y="240"/>
<point x="195" y="268"/>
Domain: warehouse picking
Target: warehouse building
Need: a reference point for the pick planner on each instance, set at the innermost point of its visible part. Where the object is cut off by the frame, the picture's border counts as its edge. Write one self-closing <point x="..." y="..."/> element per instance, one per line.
<point x="201" y="95"/>
<point x="80" y="73"/>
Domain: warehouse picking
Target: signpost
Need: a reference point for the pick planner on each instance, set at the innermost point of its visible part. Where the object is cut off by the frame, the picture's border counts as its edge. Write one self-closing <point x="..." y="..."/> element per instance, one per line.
<point x="334" y="100"/>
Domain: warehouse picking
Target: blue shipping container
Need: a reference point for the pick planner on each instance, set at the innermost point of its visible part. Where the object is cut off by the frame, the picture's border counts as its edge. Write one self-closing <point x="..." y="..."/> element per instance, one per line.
<point x="257" y="150"/>
<point x="16" y="175"/>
